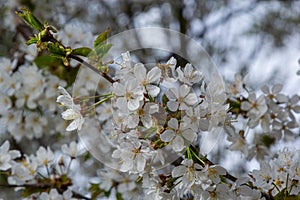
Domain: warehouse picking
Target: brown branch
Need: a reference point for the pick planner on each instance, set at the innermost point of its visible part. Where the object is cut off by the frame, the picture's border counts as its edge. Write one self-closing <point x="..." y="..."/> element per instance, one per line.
<point x="108" y="78"/>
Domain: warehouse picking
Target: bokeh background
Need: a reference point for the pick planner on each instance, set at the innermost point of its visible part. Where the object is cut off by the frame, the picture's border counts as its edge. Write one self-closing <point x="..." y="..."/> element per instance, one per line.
<point x="256" y="37"/>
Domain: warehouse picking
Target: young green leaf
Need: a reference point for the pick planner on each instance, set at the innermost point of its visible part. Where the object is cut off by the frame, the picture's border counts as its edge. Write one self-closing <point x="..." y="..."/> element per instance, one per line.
<point x="30" y="19"/>
<point x="82" y="51"/>
<point x="101" y="38"/>
<point x="32" y="40"/>
<point x="102" y="50"/>
<point x="95" y="190"/>
<point x="56" y="49"/>
<point x="31" y="190"/>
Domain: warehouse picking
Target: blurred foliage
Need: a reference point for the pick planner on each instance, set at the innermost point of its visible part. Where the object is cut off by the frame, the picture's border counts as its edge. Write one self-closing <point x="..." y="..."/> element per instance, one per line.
<point x="210" y="22"/>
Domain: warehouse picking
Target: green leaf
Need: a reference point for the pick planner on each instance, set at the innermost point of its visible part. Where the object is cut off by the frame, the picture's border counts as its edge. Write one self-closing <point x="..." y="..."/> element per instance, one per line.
<point x="47" y="60"/>
<point x="32" y="40"/>
<point x="119" y="196"/>
<point x="107" y="193"/>
<point x="280" y="195"/>
<point x="55" y="66"/>
<point x="56" y="49"/>
<point x="30" y="19"/>
<point x="95" y="190"/>
<point x="101" y="50"/>
<point x="82" y="51"/>
<point x="31" y="190"/>
<point x="101" y="38"/>
<point x="65" y="179"/>
<point x="267" y="140"/>
<point x="292" y="197"/>
<point x="104" y="69"/>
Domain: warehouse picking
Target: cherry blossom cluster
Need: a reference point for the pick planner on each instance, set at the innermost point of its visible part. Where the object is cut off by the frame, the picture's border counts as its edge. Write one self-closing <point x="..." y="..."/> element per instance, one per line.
<point x="27" y="95"/>
<point x="144" y="119"/>
<point x="39" y="171"/>
<point x="129" y="124"/>
<point x="270" y="116"/>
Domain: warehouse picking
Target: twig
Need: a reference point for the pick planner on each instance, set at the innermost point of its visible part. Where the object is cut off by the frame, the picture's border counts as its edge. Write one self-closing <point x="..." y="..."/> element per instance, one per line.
<point x="108" y="78"/>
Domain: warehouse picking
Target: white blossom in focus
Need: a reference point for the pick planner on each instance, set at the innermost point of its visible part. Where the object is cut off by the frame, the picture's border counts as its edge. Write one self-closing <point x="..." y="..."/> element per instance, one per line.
<point x="189" y="173"/>
<point x="177" y="135"/>
<point x="212" y="173"/>
<point x="73" y="111"/>
<point x="255" y="107"/>
<point x="189" y="75"/>
<point x="131" y="92"/>
<point x="181" y="98"/>
<point x="133" y="156"/>
<point x="148" y="80"/>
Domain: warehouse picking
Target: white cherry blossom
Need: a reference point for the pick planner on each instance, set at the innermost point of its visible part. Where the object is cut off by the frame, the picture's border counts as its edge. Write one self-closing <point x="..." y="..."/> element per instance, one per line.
<point x="256" y="107"/>
<point x="189" y="75"/>
<point x="168" y="71"/>
<point x="70" y="150"/>
<point x="189" y="173"/>
<point x="5" y="103"/>
<point x="177" y="135"/>
<point x="148" y="80"/>
<point x="133" y="156"/>
<point x="73" y="112"/>
<point x="44" y="156"/>
<point x="6" y="156"/>
<point x="143" y="114"/>
<point x="212" y="173"/>
<point x="131" y="91"/>
<point x="181" y="98"/>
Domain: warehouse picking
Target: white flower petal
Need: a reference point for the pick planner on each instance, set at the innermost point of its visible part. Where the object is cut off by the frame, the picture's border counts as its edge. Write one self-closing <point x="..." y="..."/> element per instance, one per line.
<point x="172" y="94"/>
<point x="4" y="147"/>
<point x="281" y="98"/>
<point x="147" y="121"/>
<point x="64" y="100"/>
<point x="173" y="123"/>
<point x="245" y="105"/>
<point x="70" y="114"/>
<point x="178" y="171"/>
<point x="132" y="121"/>
<point x="133" y="104"/>
<point x="191" y="99"/>
<point x="189" y="135"/>
<point x="152" y="90"/>
<point x="119" y="89"/>
<point x="116" y="153"/>
<point x="141" y="163"/>
<point x="76" y="124"/>
<point x="152" y="108"/>
<point x="184" y="90"/>
<point x="265" y="89"/>
<point x="127" y="165"/>
<point x="277" y="88"/>
<point x="178" y="144"/>
<point x="167" y="135"/>
<point x="172" y="105"/>
<point x="154" y="75"/>
<point x="140" y="71"/>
